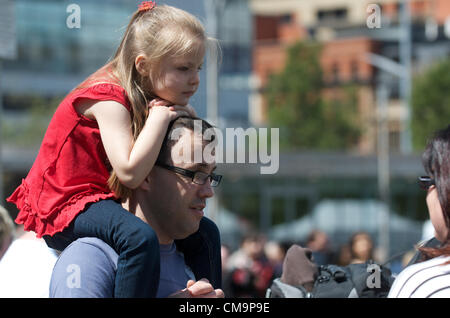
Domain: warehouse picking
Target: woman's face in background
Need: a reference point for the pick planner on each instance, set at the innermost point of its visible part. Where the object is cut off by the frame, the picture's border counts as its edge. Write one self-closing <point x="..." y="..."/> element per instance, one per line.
<point x="436" y="214"/>
<point x="362" y="246"/>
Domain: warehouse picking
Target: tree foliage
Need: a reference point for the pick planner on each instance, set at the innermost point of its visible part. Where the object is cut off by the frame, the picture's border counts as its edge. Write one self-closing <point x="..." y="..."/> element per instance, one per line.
<point x="296" y="106"/>
<point x="28" y="129"/>
<point x="430" y="103"/>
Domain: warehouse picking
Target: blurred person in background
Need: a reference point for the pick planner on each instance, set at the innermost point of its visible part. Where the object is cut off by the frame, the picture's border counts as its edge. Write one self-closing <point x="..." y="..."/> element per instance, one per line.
<point x="275" y="254"/>
<point x="344" y="255"/>
<point x="225" y="254"/>
<point x="431" y="276"/>
<point x="361" y="248"/>
<point x="6" y="231"/>
<point x="250" y="272"/>
<point x="26" y="267"/>
<point x="319" y="243"/>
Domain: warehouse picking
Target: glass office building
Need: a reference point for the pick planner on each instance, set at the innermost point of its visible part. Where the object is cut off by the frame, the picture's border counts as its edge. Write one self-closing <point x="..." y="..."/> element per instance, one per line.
<point x="55" y="54"/>
<point x="51" y="41"/>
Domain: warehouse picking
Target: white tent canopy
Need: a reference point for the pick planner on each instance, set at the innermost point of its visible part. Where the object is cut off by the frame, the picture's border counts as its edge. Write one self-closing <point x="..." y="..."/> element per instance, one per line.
<point x="341" y="218"/>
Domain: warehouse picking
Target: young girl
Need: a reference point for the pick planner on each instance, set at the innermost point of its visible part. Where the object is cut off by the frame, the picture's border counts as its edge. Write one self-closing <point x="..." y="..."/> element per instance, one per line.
<point x="115" y="121"/>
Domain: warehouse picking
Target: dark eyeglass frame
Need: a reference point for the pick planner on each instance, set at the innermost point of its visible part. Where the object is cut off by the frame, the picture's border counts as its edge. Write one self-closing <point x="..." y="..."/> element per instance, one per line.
<point x="194" y="175"/>
<point x="425" y="182"/>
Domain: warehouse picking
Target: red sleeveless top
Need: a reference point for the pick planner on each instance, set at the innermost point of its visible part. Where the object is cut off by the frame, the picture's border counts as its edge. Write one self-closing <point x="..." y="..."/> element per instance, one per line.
<point x="71" y="168"/>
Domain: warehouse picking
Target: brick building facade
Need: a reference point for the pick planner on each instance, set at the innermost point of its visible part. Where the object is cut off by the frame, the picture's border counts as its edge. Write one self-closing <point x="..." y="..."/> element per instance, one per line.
<point x="340" y="27"/>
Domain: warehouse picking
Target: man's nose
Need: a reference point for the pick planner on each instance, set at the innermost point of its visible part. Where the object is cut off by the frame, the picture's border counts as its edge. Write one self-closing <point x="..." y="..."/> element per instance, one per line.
<point x="206" y="190"/>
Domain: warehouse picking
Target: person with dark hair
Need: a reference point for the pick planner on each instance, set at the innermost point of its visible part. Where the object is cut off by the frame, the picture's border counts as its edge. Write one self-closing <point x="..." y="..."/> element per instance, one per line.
<point x="170" y="200"/>
<point x="361" y="248"/>
<point x="250" y="273"/>
<point x="431" y="276"/>
<point x="319" y="243"/>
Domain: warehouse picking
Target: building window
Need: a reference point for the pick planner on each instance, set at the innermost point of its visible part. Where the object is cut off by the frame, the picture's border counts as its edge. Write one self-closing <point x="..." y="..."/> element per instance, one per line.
<point x="236" y="59"/>
<point x="332" y="16"/>
<point x="286" y="19"/>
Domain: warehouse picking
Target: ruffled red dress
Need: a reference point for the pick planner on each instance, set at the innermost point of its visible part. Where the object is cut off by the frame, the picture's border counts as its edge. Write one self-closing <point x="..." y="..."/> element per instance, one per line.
<point x="71" y="168"/>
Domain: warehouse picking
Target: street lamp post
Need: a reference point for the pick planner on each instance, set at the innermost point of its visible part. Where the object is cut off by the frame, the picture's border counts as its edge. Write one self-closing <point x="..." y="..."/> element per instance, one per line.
<point x="214" y="9"/>
<point x="382" y="97"/>
<point x="405" y="81"/>
<point x="387" y="66"/>
<point x="212" y="76"/>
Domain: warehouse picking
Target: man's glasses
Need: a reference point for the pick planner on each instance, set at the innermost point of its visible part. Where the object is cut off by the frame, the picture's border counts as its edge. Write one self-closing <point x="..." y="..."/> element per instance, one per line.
<point x="197" y="177"/>
<point x="425" y="182"/>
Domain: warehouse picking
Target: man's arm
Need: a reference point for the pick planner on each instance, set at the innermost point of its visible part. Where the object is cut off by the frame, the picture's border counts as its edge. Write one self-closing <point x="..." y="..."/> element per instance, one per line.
<point x="85" y="269"/>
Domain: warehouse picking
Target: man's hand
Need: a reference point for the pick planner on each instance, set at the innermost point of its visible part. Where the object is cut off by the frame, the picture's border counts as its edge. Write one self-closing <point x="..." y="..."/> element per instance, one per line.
<point x="198" y="289"/>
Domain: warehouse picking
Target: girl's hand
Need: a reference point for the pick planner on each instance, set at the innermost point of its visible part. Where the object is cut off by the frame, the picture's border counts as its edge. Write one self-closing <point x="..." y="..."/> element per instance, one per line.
<point x="187" y="110"/>
<point x="159" y="102"/>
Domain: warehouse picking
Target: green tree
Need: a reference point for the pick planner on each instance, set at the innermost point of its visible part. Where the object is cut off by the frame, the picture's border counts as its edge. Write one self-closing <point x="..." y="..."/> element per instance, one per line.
<point x="430" y="103"/>
<point x="296" y="106"/>
<point x="29" y="130"/>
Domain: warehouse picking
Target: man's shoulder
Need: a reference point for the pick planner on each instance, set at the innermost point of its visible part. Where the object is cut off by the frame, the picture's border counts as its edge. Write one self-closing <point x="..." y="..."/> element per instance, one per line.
<point x="88" y="251"/>
<point x="93" y="244"/>
<point x="88" y="260"/>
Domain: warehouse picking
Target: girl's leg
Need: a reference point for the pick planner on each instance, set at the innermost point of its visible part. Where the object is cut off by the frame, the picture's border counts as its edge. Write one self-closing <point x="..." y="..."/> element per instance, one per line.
<point x="134" y="240"/>
<point x="202" y="252"/>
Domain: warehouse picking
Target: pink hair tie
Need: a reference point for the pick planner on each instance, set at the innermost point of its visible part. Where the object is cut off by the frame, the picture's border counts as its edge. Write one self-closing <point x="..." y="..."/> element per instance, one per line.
<point x="146" y="5"/>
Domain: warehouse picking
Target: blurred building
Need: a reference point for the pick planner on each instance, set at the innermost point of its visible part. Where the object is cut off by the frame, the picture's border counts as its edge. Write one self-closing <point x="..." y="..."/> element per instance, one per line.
<point x="341" y="26"/>
<point x="55" y="52"/>
<point x="54" y="57"/>
<point x="235" y="32"/>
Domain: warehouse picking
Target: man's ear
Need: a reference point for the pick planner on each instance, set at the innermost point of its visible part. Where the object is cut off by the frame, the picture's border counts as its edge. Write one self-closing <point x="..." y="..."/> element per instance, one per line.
<point x="141" y="64"/>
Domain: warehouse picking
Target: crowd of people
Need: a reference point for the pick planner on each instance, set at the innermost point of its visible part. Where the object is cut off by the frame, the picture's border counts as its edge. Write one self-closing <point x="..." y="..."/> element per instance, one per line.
<point x="424" y="271"/>
<point x="250" y="269"/>
<point x="247" y="272"/>
<point x="118" y="189"/>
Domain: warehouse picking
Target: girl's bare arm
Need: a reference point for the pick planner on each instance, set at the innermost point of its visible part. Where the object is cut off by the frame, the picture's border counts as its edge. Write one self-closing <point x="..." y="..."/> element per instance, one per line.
<point x="132" y="163"/>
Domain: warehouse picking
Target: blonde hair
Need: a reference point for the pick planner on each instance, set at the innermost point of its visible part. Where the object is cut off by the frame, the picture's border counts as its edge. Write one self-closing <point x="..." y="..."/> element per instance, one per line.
<point x="157" y="33"/>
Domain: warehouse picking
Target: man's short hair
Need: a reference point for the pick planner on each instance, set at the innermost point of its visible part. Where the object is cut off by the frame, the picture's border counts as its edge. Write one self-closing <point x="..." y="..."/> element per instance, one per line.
<point x="165" y="152"/>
